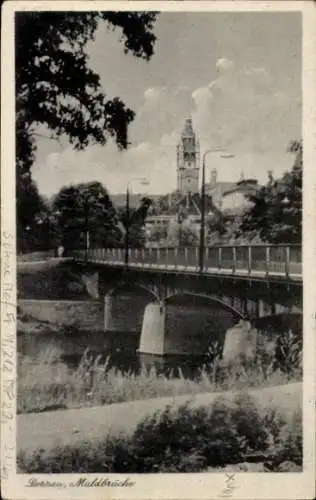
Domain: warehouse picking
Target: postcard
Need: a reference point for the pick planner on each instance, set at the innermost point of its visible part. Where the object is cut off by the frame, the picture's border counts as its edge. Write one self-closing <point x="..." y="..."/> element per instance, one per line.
<point x="157" y="226"/>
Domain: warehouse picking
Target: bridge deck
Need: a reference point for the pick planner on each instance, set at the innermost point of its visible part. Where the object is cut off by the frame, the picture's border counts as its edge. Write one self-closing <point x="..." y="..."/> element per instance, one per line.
<point x="194" y="270"/>
<point x="257" y="261"/>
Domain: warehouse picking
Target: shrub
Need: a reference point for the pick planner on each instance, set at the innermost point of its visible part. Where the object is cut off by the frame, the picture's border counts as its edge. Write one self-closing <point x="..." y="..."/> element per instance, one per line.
<point x="182" y="439"/>
<point x="250" y="423"/>
<point x="290" y="441"/>
<point x="288" y="352"/>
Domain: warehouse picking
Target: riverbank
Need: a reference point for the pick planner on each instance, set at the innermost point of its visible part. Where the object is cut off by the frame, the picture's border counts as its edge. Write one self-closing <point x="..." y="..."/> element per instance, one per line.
<point x="86" y="429"/>
<point x="46" y="383"/>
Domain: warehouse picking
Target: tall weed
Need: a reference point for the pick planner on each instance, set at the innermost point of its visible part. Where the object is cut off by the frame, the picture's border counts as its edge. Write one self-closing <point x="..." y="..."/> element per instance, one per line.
<point x="45" y="383"/>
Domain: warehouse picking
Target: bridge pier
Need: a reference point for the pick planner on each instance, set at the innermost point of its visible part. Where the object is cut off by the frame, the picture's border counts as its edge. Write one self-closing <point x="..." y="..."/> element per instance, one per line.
<point x="152" y="339"/>
<point x="240" y="342"/>
<point x="185" y="325"/>
<point x="91" y="283"/>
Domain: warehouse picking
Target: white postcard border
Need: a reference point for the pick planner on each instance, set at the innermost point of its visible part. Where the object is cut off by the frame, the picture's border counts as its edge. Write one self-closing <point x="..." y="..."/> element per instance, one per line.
<point x="184" y="486"/>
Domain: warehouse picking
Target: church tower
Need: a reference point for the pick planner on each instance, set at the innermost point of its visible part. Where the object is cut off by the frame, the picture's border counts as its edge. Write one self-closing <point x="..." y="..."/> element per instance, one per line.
<point x="188" y="160"/>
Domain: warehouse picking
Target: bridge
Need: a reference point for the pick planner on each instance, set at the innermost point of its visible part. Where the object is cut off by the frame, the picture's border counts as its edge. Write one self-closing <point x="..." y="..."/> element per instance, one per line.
<point x="176" y="305"/>
<point x="268" y="261"/>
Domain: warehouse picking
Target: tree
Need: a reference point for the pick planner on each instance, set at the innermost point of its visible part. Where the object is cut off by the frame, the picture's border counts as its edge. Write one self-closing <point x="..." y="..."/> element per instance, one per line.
<point x="134" y="222"/>
<point x="86" y="215"/>
<point x="29" y="203"/>
<point x="56" y="88"/>
<point x="276" y="212"/>
<point x="157" y="234"/>
<point x="182" y="233"/>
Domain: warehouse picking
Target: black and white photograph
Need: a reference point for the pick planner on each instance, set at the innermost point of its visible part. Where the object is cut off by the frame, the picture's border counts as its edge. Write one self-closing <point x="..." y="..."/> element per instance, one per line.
<point x="157" y="240"/>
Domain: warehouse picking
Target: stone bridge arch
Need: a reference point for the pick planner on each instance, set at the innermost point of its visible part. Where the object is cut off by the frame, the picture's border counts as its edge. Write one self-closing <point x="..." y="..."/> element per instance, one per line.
<point x="193" y="321"/>
<point x="124" y="306"/>
<point x="206" y="299"/>
<point x="186" y="323"/>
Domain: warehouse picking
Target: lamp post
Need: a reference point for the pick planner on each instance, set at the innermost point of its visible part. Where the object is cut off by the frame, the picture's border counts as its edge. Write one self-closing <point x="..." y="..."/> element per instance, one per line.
<point x="144" y="182"/>
<point x="86" y="211"/>
<point x="180" y="221"/>
<point x="225" y="154"/>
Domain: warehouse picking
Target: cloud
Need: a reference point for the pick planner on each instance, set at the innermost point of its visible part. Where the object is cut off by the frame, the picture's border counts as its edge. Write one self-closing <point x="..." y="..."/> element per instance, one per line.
<point x="224" y="64"/>
<point x="242" y="109"/>
<point x="108" y="165"/>
<point x="161" y="113"/>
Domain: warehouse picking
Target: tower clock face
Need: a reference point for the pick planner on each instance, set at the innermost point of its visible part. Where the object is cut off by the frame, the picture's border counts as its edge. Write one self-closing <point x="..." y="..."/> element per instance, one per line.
<point x="189" y="157"/>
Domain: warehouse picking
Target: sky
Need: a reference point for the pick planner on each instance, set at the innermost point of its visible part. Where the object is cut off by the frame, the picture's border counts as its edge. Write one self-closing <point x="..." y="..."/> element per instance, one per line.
<point x="237" y="74"/>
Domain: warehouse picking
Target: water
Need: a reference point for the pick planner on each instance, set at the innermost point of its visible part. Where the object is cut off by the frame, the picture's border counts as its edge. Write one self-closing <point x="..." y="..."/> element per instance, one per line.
<point x="118" y="348"/>
<point x="197" y="328"/>
<point x="191" y="328"/>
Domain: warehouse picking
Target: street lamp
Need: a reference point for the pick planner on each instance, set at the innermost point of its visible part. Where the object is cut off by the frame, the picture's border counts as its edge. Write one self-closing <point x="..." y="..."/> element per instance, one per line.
<point x="224" y="154"/>
<point x="144" y="182"/>
<point x="180" y="222"/>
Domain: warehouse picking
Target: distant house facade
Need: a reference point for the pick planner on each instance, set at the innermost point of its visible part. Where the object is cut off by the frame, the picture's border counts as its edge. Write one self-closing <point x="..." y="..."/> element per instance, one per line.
<point x="231" y="196"/>
<point x="180" y="212"/>
<point x="216" y="189"/>
<point x="235" y="200"/>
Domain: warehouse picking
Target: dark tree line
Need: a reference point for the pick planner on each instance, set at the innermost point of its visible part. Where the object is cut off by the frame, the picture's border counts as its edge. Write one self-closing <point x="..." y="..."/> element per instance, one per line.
<point x="80" y="216"/>
<point x="276" y="212"/>
<point x="56" y="89"/>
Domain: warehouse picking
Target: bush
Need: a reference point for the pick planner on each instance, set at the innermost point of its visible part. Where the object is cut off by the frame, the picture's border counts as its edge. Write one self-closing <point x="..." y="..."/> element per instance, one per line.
<point x="184" y="439"/>
<point x="288" y="352"/>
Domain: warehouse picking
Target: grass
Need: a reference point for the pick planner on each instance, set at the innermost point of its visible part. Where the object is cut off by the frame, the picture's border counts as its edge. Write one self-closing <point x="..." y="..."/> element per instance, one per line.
<point x="44" y="383"/>
<point x="186" y="439"/>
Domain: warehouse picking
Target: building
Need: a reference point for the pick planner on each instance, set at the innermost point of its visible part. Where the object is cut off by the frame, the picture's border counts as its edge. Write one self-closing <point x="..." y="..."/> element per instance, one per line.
<point x="216" y="189"/>
<point x="235" y="200"/>
<point x="178" y="215"/>
<point x="188" y="160"/>
<point x="181" y="210"/>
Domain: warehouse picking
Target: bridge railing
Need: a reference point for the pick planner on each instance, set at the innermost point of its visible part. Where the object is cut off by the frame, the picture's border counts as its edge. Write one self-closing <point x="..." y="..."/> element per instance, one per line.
<point x="283" y="260"/>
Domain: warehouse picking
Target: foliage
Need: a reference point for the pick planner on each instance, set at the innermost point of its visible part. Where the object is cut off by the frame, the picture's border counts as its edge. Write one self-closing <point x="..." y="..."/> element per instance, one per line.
<point x="56" y="88"/>
<point x="57" y="93"/>
<point x="157" y="234"/>
<point x="43" y="385"/>
<point x="181" y="230"/>
<point x="182" y="234"/>
<point x="29" y="203"/>
<point x="163" y="204"/>
<point x="288" y="352"/>
<point x="276" y="213"/>
<point x="133" y="220"/>
<point x="183" y="439"/>
<point x="83" y="208"/>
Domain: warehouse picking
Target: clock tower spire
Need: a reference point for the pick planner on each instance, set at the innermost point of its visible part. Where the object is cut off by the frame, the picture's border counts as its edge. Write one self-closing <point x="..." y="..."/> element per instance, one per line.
<point x="188" y="160"/>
